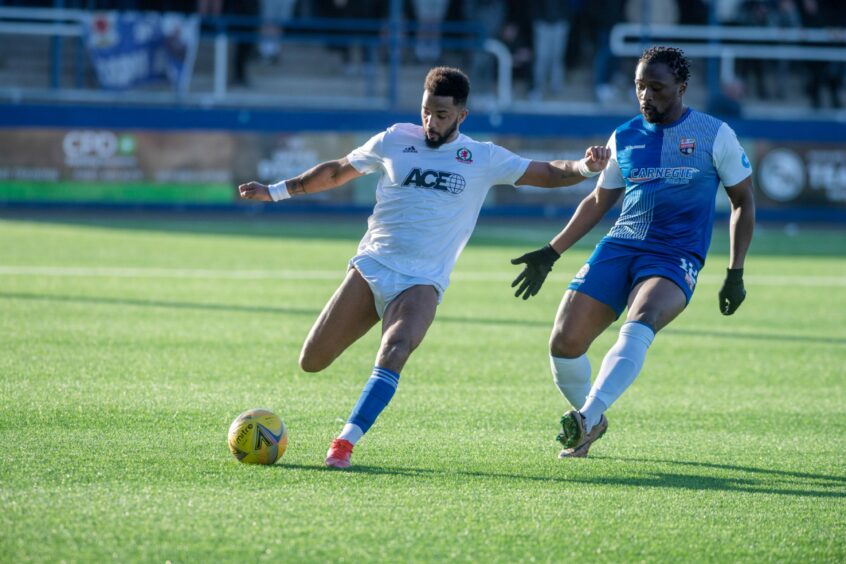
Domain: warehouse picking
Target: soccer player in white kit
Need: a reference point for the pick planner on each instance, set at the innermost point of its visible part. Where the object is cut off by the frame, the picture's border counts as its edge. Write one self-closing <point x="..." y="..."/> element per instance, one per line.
<point x="433" y="182"/>
<point x="667" y="163"/>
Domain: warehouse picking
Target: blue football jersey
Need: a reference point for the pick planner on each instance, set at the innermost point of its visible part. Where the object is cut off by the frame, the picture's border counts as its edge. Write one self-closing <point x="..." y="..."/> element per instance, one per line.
<point x="670" y="174"/>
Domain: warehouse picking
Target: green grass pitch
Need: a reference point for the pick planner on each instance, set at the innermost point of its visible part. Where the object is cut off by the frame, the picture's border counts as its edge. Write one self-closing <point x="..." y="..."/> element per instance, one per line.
<point x="128" y="345"/>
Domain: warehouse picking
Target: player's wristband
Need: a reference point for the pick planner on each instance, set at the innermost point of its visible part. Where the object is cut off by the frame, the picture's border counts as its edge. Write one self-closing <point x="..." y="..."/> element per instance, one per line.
<point x="585" y="171"/>
<point x="278" y="191"/>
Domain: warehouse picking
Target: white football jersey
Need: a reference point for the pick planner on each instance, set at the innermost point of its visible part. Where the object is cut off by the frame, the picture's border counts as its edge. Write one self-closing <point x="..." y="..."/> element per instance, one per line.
<point x="428" y="200"/>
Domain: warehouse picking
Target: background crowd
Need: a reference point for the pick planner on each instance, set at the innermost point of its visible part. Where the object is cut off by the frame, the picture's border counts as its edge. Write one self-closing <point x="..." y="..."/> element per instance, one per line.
<point x="548" y="39"/>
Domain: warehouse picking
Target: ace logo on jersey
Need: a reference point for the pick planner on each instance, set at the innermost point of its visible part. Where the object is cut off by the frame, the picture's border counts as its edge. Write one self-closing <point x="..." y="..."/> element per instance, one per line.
<point x="687" y="146"/>
<point x="463" y="155"/>
<point x="436" y="179"/>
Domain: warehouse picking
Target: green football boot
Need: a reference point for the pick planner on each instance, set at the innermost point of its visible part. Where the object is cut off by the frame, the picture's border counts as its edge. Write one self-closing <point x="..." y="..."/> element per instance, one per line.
<point x="574" y="439"/>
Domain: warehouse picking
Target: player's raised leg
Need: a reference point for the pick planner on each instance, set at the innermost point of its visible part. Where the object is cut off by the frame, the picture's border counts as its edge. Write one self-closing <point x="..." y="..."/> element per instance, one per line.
<point x="348" y="315"/>
<point x="653" y="303"/>
<point x="406" y="320"/>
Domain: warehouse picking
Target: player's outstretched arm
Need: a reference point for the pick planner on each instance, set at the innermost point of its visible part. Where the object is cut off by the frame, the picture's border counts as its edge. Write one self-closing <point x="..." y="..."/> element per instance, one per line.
<point x="539" y="263"/>
<point x="741" y="227"/>
<point x="555" y="174"/>
<point x="325" y="176"/>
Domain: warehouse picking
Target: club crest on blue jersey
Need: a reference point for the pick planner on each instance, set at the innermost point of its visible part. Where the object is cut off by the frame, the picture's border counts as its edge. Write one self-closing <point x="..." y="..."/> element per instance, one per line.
<point x="463" y="155"/>
<point x="687" y="146"/>
<point x="436" y="180"/>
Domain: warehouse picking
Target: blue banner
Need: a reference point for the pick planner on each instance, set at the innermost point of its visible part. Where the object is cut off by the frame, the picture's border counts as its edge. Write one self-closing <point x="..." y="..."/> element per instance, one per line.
<point x="129" y="49"/>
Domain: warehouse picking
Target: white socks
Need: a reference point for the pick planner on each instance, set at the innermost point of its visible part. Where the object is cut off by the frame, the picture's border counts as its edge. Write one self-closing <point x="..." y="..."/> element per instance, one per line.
<point x="572" y="376"/>
<point x="351" y="432"/>
<point x="619" y="369"/>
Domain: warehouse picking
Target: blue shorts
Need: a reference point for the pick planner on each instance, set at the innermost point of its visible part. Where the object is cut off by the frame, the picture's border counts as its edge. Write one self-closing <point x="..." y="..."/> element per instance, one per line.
<point x="613" y="270"/>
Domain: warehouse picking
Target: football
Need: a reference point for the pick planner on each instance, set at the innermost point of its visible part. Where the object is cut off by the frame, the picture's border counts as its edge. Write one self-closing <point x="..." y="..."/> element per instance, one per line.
<point x="258" y="436"/>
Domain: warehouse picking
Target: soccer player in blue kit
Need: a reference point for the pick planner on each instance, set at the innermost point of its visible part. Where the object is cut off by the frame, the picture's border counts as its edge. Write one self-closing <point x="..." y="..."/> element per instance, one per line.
<point x="667" y="164"/>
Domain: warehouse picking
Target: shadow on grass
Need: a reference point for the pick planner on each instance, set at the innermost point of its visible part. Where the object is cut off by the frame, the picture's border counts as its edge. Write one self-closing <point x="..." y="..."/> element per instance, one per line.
<point x="159" y="303"/>
<point x="259" y="223"/>
<point x="236" y="308"/>
<point x="786" y="473"/>
<point x="756" y="336"/>
<point x="317" y="227"/>
<point x="756" y="480"/>
<point x="486" y="321"/>
<point x="268" y="222"/>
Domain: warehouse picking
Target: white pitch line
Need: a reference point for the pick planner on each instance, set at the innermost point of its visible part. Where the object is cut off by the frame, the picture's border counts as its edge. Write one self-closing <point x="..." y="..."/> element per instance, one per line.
<point x="471" y="276"/>
<point x="131" y="272"/>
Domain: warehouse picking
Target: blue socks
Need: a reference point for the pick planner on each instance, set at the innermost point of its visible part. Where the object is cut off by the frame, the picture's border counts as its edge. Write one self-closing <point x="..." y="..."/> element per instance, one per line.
<point x="375" y="396"/>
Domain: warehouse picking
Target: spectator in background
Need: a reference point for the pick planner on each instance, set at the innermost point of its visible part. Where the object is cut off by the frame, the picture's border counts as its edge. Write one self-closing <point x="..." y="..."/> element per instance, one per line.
<point x="209" y="8"/>
<point x="824" y="74"/>
<point x="550" y="26"/>
<point x="351" y="54"/>
<point x="579" y="38"/>
<point x="656" y="12"/>
<point x="756" y="13"/>
<point x="180" y="6"/>
<point x="692" y="12"/>
<point x="430" y="15"/>
<point x="517" y="36"/>
<point x="601" y="17"/>
<point x="786" y="15"/>
<point x="490" y="16"/>
<point x="273" y="13"/>
<point x="244" y="35"/>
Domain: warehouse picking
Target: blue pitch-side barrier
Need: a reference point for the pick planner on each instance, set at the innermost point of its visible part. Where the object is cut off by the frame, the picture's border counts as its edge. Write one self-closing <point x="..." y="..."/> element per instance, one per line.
<point x="260" y="120"/>
<point x="266" y="121"/>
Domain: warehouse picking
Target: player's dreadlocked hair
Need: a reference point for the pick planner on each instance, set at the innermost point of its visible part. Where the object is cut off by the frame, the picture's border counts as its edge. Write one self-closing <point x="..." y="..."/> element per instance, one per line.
<point x="672" y="57"/>
<point x="448" y="81"/>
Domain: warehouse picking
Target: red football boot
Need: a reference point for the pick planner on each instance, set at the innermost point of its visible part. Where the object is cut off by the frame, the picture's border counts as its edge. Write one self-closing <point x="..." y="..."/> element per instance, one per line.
<point x="339" y="454"/>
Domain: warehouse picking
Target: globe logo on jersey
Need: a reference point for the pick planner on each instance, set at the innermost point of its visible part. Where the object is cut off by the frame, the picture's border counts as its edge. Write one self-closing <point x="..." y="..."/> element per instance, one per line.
<point x="687" y="146"/>
<point x="436" y="180"/>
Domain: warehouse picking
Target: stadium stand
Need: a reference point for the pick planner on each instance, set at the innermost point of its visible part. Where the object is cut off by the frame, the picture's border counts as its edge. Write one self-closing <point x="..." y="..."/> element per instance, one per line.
<point x="343" y="69"/>
<point x="331" y="53"/>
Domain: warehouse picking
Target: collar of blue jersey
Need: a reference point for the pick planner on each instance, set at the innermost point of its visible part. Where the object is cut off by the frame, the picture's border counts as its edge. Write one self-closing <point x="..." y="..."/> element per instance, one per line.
<point x="656" y="126"/>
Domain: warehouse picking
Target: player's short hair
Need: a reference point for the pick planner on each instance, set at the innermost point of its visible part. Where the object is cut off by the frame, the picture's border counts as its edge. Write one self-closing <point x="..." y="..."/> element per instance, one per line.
<point x="448" y="81"/>
<point x="670" y="56"/>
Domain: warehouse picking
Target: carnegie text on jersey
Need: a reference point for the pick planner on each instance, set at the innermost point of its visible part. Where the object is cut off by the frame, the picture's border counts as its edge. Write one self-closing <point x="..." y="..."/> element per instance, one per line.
<point x="676" y="175"/>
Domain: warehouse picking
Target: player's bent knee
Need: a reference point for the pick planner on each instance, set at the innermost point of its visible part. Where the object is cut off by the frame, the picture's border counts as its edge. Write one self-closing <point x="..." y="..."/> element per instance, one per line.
<point x="310" y="362"/>
<point x="395" y="348"/>
<point x="565" y="345"/>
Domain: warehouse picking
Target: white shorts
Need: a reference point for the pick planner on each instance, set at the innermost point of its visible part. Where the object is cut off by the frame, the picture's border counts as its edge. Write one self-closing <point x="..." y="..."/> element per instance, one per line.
<point x="385" y="283"/>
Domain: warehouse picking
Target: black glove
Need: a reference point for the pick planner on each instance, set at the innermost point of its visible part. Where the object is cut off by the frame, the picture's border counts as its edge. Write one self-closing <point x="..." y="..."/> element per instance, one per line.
<point x="538" y="264"/>
<point x="732" y="293"/>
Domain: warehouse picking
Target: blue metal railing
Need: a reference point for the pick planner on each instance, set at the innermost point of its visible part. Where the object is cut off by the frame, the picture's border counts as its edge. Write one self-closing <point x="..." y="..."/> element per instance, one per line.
<point x="391" y="35"/>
